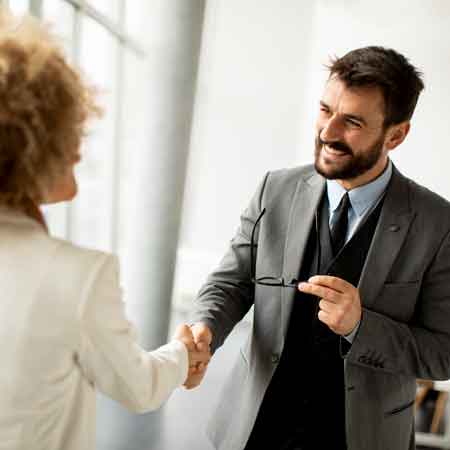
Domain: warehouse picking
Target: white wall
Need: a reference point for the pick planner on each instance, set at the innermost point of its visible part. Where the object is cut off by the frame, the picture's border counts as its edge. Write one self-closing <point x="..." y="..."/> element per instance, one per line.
<point x="421" y="31"/>
<point x="261" y="77"/>
<point x="245" y="122"/>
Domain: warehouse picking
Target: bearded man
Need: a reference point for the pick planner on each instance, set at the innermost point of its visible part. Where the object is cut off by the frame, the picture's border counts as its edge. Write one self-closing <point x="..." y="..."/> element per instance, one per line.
<point x="347" y="265"/>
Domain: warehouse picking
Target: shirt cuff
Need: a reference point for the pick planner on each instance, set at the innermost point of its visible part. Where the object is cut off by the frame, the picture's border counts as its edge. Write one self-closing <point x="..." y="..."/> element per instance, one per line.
<point x="351" y="336"/>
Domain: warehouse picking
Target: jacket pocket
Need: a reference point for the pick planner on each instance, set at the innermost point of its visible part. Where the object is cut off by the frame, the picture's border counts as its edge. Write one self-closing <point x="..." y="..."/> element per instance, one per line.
<point x="398" y="300"/>
<point x="399" y="409"/>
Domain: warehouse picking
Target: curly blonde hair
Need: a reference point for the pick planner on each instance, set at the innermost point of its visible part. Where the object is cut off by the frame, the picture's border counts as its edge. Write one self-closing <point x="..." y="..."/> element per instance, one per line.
<point x="44" y="106"/>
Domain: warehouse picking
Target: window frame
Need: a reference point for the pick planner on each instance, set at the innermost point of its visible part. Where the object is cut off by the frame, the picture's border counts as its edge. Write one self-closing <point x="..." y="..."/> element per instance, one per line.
<point x="124" y="43"/>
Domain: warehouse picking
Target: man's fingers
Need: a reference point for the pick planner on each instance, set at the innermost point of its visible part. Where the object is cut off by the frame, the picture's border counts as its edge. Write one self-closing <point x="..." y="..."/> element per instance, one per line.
<point x="198" y="368"/>
<point x="194" y="380"/>
<point x="184" y="334"/>
<point x="339" y="305"/>
<point x="320" y="291"/>
<point x="197" y="340"/>
<point x="324" y="317"/>
<point x="183" y="330"/>
<point x="202" y="346"/>
<point x="201" y="333"/>
<point x="199" y="357"/>
<point x="326" y="306"/>
<point x="335" y="283"/>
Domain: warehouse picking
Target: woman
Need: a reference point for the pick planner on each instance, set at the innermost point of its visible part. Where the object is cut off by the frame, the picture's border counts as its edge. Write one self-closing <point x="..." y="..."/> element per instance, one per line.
<point x="63" y="331"/>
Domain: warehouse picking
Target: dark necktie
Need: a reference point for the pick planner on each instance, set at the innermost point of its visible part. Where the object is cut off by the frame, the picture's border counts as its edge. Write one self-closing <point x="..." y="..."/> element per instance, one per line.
<point x="339" y="224"/>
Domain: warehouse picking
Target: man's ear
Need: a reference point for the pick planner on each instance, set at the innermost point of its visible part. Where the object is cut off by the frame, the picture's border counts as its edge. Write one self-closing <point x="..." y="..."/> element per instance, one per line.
<point x="396" y="134"/>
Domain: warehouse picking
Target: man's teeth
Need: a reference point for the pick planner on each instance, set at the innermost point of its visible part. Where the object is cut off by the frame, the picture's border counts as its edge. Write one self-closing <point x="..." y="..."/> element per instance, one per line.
<point x="332" y="151"/>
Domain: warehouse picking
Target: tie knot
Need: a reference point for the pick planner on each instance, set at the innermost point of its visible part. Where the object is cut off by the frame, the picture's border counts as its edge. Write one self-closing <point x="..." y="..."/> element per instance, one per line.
<point x="344" y="203"/>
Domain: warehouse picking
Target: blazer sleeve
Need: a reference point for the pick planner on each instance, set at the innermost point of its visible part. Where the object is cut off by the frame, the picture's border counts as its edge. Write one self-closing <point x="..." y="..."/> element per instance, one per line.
<point x="228" y="293"/>
<point x="421" y="348"/>
<point x="109" y="354"/>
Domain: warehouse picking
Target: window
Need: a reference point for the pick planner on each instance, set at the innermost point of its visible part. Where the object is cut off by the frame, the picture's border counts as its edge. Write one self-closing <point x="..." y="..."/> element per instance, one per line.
<point x="93" y="208"/>
<point x="133" y="138"/>
<point x="109" y="8"/>
<point x="94" y="36"/>
<point x="61" y="15"/>
<point x="19" y="6"/>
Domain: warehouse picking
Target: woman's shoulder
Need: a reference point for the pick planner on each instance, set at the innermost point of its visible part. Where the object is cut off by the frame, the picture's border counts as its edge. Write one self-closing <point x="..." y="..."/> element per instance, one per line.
<point x="76" y="258"/>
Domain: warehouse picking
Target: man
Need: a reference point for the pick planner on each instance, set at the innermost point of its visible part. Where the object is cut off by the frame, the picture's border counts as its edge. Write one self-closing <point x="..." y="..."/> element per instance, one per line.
<point x="332" y="360"/>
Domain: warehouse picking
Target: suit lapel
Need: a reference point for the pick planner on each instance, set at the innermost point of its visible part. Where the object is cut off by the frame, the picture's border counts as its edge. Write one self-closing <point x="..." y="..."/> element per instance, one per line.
<point x="301" y="218"/>
<point x="395" y="219"/>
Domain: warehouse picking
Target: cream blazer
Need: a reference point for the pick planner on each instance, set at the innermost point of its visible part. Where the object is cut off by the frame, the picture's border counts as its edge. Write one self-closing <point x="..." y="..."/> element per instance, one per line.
<point x="64" y="334"/>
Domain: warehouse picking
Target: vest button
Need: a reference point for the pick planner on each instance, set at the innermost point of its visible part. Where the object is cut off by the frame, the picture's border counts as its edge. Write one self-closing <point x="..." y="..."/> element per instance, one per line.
<point x="394" y="228"/>
<point x="275" y="358"/>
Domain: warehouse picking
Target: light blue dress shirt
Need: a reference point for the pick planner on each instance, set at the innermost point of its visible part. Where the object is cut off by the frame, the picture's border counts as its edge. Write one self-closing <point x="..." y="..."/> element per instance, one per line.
<point x="363" y="199"/>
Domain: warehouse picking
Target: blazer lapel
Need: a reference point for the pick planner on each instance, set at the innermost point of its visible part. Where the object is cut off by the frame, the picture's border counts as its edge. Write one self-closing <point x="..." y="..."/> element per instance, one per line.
<point x="395" y="219"/>
<point x="301" y="218"/>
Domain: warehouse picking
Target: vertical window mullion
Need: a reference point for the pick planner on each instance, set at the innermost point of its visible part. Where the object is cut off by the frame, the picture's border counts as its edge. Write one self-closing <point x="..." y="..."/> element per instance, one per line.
<point x="36" y="8"/>
<point x="116" y="178"/>
<point x="76" y="33"/>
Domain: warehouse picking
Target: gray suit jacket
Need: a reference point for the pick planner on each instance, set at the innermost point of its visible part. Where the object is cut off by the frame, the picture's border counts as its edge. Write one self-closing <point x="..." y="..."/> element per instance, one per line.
<point x="405" y="292"/>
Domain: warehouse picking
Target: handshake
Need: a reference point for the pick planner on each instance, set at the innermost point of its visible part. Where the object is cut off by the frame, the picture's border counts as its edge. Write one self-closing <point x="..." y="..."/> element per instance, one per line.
<point x="197" y="340"/>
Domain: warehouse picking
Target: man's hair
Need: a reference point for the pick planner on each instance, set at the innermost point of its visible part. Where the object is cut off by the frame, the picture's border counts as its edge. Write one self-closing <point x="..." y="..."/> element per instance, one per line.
<point x="400" y="82"/>
<point x="44" y="106"/>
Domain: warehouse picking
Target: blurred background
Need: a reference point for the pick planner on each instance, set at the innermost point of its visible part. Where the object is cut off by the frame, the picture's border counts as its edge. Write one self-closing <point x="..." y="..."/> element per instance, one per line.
<point x="201" y="98"/>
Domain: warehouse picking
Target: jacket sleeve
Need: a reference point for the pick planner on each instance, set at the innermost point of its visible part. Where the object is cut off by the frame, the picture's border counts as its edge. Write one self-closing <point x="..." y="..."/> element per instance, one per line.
<point x="421" y="348"/>
<point x="109" y="354"/>
<point x="228" y="293"/>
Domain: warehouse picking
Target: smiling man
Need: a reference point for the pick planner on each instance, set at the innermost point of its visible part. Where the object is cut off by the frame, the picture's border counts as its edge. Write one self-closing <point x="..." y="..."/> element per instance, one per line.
<point x="347" y="265"/>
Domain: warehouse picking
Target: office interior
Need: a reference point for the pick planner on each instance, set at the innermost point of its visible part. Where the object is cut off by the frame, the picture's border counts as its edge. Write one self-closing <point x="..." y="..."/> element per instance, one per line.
<point x="201" y="99"/>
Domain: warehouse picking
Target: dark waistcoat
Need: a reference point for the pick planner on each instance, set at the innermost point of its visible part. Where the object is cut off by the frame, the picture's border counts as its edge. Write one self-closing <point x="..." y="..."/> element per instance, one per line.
<point x="304" y="405"/>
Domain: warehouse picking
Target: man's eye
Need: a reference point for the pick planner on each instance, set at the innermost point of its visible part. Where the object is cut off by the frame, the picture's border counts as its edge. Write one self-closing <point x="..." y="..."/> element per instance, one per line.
<point x="324" y="110"/>
<point x="353" y="123"/>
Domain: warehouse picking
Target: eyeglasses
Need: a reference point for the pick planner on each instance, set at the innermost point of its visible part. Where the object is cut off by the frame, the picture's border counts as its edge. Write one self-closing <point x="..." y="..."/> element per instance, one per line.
<point x="266" y="281"/>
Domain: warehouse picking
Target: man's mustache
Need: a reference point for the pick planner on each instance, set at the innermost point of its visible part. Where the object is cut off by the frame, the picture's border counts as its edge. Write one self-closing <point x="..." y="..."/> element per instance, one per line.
<point x="336" y="145"/>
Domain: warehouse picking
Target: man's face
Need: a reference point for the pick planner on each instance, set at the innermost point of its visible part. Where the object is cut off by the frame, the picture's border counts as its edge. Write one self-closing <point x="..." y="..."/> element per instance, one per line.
<point x="349" y="134"/>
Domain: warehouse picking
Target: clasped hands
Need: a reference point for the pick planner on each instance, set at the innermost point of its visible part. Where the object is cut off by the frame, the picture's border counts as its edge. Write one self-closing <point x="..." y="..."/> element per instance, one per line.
<point x="197" y="340"/>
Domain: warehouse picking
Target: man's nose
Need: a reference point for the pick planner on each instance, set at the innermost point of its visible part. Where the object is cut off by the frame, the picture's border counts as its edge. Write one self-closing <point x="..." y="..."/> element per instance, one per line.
<point x="332" y="130"/>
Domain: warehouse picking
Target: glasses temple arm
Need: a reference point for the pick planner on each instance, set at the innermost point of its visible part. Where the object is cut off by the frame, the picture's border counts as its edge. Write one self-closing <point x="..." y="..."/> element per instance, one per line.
<point x="252" y="244"/>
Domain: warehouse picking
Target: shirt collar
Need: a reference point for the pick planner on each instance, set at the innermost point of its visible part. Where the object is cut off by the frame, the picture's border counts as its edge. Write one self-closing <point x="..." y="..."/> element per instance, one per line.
<point x="362" y="197"/>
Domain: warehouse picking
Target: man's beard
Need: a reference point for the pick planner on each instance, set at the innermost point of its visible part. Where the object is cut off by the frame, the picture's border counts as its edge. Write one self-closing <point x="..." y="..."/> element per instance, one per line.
<point x="352" y="166"/>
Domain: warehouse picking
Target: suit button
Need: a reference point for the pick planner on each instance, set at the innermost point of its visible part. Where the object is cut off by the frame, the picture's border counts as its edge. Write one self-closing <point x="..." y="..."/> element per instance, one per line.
<point x="394" y="228"/>
<point x="275" y="358"/>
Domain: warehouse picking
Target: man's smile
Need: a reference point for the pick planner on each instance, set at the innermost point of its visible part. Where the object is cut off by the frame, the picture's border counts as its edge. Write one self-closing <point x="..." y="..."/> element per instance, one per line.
<point x="334" y="154"/>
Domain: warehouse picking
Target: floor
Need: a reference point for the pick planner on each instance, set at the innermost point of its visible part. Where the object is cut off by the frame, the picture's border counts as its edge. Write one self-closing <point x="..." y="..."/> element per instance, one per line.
<point x="180" y="423"/>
